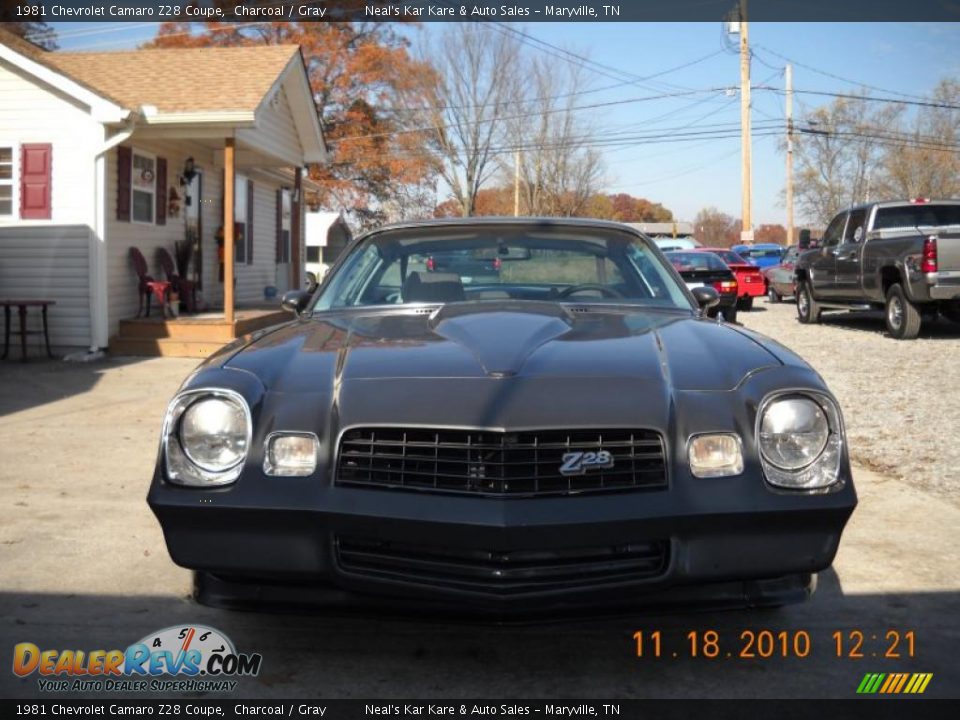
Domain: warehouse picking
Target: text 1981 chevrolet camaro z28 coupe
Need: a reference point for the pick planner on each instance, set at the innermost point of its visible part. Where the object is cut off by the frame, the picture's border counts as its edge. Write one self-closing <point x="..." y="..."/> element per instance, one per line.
<point x="567" y="433"/>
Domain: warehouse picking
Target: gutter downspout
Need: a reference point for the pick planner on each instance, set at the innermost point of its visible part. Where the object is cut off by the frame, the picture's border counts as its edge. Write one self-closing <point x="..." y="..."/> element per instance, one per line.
<point x="98" y="260"/>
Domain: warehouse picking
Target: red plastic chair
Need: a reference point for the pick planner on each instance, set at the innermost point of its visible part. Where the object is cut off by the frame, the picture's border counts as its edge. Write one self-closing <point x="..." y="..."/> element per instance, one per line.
<point x="187" y="289"/>
<point x="147" y="285"/>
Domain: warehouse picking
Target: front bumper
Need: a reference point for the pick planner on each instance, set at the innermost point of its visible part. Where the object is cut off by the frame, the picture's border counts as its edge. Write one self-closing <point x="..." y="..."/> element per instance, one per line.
<point x="726" y="535"/>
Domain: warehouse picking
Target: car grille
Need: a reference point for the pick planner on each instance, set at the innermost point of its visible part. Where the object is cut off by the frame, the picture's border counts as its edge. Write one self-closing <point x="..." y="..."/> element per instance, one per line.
<point x="514" y="571"/>
<point x="498" y="463"/>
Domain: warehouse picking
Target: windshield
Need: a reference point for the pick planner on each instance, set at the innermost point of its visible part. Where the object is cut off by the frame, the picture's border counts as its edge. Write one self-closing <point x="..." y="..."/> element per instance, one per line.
<point x="760" y="252"/>
<point x="917" y="216"/>
<point x="462" y="263"/>
<point x="686" y="261"/>
<point x="729" y="257"/>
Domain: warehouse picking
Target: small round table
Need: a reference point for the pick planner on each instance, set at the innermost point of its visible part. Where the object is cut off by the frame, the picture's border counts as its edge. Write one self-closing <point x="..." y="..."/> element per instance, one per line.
<point x="22" y="306"/>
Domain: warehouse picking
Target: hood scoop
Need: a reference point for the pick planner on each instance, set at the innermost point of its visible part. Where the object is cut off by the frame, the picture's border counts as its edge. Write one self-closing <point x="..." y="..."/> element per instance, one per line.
<point x="502" y="340"/>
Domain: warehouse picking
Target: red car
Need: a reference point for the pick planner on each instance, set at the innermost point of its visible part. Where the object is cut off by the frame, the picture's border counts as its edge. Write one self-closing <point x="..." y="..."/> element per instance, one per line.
<point x="750" y="280"/>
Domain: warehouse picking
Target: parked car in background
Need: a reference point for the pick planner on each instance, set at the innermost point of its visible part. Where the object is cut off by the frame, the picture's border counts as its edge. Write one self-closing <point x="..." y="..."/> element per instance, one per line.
<point x="781" y="279"/>
<point x="470" y="265"/>
<point x="763" y="255"/>
<point x="902" y="256"/>
<point x="704" y="269"/>
<point x="587" y="440"/>
<point x="750" y="281"/>
<point x="668" y="244"/>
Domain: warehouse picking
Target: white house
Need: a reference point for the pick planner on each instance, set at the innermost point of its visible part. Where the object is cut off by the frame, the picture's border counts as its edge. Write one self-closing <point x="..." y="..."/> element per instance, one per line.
<point x="101" y="152"/>
<point x="326" y="234"/>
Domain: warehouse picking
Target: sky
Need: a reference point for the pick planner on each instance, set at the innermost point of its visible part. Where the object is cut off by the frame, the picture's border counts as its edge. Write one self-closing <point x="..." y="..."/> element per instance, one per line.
<point x="688" y="176"/>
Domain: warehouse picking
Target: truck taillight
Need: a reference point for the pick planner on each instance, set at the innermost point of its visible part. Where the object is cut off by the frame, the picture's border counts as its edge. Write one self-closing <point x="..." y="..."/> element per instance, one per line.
<point x="929" y="262"/>
<point x="725" y="286"/>
<point x="430" y="265"/>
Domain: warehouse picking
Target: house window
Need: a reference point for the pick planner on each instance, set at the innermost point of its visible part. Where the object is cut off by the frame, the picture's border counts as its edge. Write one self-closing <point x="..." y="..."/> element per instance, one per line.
<point x="143" y="185"/>
<point x="286" y="213"/>
<point x="6" y="180"/>
<point x="241" y="217"/>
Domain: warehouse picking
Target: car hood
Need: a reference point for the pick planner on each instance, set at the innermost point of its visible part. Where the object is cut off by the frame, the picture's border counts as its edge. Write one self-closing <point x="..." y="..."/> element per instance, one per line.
<point x="523" y="343"/>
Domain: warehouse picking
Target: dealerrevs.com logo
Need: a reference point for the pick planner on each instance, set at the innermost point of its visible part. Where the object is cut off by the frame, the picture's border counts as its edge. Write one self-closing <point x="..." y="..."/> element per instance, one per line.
<point x="200" y="658"/>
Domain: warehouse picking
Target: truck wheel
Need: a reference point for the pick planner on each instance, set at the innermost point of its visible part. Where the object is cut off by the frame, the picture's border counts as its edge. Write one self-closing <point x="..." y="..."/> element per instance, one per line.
<point x="730" y="314"/>
<point x="745" y="303"/>
<point x="808" y="309"/>
<point x="773" y="297"/>
<point x="903" y="317"/>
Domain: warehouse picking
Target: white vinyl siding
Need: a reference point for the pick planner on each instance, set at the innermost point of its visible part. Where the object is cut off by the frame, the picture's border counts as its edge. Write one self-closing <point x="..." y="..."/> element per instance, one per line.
<point x="7" y="179"/>
<point x="276" y="133"/>
<point x="32" y="112"/>
<point x="252" y="279"/>
<point x="49" y="262"/>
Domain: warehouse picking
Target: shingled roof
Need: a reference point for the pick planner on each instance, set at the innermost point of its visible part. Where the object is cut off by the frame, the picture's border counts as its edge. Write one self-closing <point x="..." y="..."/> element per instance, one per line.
<point x="179" y="80"/>
<point x="174" y="80"/>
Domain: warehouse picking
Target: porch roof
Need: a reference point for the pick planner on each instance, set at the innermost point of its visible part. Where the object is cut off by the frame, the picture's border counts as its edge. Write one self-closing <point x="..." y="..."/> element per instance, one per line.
<point x="181" y="80"/>
<point x="187" y="92"/>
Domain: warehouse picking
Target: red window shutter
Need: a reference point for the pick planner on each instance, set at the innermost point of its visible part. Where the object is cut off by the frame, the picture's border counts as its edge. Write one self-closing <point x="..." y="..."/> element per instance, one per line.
<point x="161" y="196"/>
<point x="124" y="168"/>
<point x="36" y="162"/>
<point x="249" y="222"/>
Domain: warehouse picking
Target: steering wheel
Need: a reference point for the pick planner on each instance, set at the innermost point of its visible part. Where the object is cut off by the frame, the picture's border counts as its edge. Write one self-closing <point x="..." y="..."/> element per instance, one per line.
<point x="605" y="290"/>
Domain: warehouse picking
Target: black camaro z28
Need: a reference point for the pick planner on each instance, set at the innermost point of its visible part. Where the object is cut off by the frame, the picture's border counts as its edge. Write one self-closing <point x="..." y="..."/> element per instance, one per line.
<point x="567" y="432"/>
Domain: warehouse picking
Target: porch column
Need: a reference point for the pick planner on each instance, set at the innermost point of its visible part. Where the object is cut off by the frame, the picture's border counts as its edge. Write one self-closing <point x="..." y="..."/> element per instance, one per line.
<point x="296" y="230"/>
<point x="229" y="170"/>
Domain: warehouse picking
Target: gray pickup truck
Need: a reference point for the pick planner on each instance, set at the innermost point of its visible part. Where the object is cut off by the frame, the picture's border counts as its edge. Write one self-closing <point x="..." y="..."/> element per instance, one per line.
<point x="902" y="256"/>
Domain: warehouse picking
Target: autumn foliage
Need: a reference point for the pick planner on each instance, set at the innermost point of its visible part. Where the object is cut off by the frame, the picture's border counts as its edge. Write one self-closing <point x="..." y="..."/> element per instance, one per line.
<point x="620" y="207"/>
<point x="364" y="81"/>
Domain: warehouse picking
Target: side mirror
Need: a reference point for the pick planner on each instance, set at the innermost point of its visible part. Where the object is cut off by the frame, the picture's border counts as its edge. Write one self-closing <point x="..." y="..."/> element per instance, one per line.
<point x="706" y="297"/>
<point x="295" y="301"/>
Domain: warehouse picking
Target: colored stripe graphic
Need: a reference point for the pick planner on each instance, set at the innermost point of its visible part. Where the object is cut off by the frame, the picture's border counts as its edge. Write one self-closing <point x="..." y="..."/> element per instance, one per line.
<point x="894" y="683"/>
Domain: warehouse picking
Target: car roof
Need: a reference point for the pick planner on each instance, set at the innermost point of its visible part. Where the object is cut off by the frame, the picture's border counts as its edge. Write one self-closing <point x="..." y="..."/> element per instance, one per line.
<point x="494" y="221"/>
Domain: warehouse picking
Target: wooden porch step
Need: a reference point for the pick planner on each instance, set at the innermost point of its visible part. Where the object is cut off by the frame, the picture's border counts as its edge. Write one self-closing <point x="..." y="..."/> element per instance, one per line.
<point x="147" y="329"/>
<point x="163" y="347"/>
<point x="188" y="336"/>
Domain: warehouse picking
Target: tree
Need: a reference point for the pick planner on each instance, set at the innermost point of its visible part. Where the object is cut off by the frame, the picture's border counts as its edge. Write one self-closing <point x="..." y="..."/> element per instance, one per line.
<point x="626" y="208"/>
<point x="558" y="172"/>
<point x="364" y="81"/>
<point x="928" y="164"/>
<point x="839" y="160"/>
<point x="770" y="234"/>
<point x="489" y="201"/>
<point x="713" y="228"/>
<point x="39" y="33"/>
<point x="471" y="87"/>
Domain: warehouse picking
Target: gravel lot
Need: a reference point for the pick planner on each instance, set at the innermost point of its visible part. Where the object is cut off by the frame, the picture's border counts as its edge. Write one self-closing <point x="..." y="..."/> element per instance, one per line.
<point x="900" y="399"/>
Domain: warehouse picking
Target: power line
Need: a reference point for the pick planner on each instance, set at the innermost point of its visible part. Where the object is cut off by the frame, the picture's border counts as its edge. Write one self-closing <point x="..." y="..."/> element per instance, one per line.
<point x="837" y="77"/>
<point x="592" y="65"/>
<point x="610" y="103"/>
<point x="867" y="98"/>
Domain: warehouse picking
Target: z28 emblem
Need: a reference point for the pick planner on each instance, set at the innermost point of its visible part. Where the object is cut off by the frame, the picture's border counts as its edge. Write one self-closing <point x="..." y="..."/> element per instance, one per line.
<point x="577" y="463"/>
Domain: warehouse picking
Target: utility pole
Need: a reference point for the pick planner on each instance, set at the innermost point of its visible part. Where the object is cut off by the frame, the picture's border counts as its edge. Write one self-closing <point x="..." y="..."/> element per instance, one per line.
<point x="516" y="184"/>
<point x="789" y="101"/>
<point x="746" y="233"/>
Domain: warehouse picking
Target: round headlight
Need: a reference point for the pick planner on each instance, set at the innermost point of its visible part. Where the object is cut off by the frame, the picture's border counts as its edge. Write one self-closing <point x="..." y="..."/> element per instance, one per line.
<point x="213" y="433"/>
<point x="793" y="433"/>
